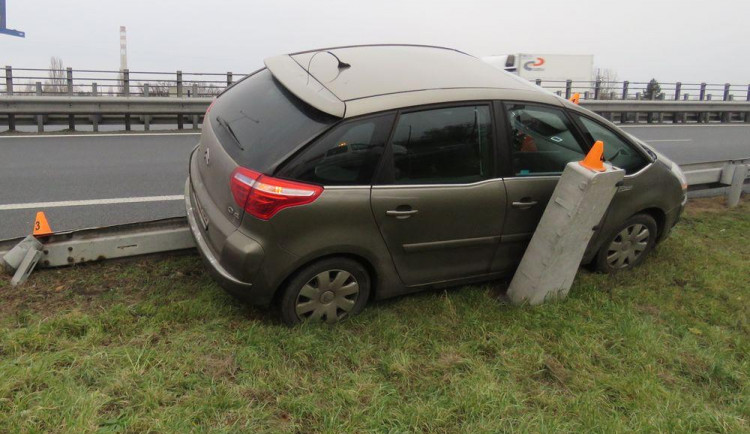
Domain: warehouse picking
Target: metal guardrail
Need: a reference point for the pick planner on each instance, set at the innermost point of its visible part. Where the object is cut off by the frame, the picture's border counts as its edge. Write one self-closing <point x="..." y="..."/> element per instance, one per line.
<point x="92" y="82"/>
<point x="72" y="110"/>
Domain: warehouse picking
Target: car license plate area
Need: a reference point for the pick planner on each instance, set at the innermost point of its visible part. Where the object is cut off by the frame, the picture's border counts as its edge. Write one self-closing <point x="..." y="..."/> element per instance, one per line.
<point x="201" y="214"/>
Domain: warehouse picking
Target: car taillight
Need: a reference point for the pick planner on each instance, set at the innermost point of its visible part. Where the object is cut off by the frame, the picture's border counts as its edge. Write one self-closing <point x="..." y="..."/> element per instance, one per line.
<point x="263" y="196"/>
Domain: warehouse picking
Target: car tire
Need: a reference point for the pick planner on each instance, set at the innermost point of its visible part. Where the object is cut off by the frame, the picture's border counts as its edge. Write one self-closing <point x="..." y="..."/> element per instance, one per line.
<point x="328" y="290"/>
<point x="628" y="245"/>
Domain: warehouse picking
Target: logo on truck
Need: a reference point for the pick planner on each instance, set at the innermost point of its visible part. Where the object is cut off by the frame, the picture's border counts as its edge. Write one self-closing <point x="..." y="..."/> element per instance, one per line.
<point x="533" y="65"/>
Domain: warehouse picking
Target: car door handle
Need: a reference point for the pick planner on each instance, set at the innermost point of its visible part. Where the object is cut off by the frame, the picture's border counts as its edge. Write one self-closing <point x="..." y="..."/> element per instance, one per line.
<point x="524" y="204"/>
<point x="405" y="214"/>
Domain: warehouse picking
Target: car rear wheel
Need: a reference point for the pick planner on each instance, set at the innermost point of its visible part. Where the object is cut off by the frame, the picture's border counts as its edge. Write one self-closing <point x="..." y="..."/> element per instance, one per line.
<point x="628" y="246"/>
<point x="328" y="290"/>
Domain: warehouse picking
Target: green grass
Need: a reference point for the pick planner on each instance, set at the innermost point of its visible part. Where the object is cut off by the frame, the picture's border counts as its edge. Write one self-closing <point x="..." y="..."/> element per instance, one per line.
<point x="155" y="345"/>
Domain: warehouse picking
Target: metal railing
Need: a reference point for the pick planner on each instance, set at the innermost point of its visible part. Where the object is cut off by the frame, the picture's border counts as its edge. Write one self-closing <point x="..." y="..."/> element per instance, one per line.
<point x="70" y="97"/>
<point x="73" y="111"/>
<point x="92" y="82"/>
<point x="639" y="90"/>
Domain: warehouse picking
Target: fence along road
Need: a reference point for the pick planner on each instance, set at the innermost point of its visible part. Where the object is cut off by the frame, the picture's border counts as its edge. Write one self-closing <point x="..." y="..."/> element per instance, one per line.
<point x="85" y="181"/>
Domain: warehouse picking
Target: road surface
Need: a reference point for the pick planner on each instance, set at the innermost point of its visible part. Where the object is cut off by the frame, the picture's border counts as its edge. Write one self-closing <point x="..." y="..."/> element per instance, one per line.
<point x="89" y="180"/>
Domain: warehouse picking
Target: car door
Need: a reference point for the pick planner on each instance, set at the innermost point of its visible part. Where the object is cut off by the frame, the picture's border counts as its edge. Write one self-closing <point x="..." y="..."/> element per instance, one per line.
<point x="437" y="202"/>
<point x="540" y="141"/>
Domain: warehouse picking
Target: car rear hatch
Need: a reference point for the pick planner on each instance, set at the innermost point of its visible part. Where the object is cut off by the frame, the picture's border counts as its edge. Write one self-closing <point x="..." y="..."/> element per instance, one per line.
<point x="256" y="124"/>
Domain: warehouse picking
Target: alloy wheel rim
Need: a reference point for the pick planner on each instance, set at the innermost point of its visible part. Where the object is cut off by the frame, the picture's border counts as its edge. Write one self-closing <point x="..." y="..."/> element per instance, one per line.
<point x="628" y="246"/>
<point x="329" y="296"/>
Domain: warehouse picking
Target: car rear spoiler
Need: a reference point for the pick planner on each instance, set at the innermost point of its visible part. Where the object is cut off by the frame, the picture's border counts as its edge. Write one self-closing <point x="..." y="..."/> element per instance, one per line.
<point x="304" y="86"/>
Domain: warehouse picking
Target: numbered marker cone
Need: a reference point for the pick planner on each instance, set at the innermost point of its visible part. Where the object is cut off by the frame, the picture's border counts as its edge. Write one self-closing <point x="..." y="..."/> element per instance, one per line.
<point x="41" y="227"/>
<point x="593" y="160"/>
<point x="576" y="98"/>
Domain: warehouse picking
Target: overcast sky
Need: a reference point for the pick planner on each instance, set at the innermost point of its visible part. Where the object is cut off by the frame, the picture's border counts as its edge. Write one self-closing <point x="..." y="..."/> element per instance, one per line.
<point x="686" y="40"/>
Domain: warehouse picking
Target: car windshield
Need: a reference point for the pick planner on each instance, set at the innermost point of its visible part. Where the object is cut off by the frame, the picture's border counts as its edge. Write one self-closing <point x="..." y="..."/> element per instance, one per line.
<point x="259" y="122"/>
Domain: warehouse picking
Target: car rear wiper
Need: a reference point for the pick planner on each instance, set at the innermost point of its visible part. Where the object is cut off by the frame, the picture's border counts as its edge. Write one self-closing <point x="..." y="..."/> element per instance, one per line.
<point x="226" y="126"/>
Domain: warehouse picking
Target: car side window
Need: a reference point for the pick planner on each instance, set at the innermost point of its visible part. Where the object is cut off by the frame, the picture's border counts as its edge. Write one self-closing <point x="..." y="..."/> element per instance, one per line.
<point x="542" y="140"/>
<point x="616" y="150"/>
<point x="346" y="155"/>
<point x="449" y="145"/>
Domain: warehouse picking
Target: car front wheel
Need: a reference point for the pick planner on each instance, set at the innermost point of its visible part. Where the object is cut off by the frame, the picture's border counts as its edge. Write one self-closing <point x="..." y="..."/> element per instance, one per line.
<point x="629" y="244"/>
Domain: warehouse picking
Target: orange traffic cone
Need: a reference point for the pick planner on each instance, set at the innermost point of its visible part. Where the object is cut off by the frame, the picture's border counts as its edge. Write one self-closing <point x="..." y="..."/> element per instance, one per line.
<point x="41" y="227"/>
<point x="576" y="98"/>
<point x="593" y="160"/>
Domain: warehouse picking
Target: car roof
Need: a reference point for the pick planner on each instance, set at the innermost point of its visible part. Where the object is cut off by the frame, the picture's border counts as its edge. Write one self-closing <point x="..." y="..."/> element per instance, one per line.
<point x="355" y="80"/>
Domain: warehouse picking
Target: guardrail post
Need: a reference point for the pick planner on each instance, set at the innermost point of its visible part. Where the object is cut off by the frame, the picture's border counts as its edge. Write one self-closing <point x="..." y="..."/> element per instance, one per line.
<point x="568" y="88"/>
<point x="229" y="79"/>
<point x="9" y="92"/>
<point x="39" y="118"/>
<point x="726" y="116"/>
<point x="538" y="82"/>
<point x="69" y="80"/>
<point x="95" y="117"/>
<point x="738" y="182"/>
<point x="195" y="95"/>
<point x="624" y="115"/>
<point x="126" y="93"/>
<point x="677" y="90"/>
<point x="597" y="88"/>
<point x="146" y="118"/>
<point x="702" y="96"/>
<point x="179" y="95"/>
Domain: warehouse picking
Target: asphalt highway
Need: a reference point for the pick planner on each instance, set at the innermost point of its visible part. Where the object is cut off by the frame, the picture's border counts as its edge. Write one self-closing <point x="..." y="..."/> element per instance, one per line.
<point x="88" y="180"/>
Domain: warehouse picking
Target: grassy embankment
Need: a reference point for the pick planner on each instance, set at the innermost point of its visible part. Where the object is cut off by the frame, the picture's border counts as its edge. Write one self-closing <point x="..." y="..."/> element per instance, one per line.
<point x="156" y="345"/>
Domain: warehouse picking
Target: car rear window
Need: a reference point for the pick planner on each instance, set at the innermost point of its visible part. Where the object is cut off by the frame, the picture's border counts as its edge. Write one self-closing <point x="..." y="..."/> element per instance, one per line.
<point x="259" y="122"/>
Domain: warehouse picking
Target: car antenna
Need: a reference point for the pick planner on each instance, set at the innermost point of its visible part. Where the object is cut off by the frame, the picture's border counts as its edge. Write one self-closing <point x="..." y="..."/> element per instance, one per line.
<point x="341" y="65"/>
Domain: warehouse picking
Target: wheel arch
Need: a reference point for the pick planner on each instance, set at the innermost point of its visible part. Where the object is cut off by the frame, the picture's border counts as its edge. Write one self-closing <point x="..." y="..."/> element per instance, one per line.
<point x="360" y="259"/>
<point x="659" y="216"/>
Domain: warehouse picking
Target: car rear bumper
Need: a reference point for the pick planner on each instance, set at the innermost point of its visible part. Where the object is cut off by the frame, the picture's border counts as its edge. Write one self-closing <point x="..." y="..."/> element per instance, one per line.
<point x="218" y="272"/>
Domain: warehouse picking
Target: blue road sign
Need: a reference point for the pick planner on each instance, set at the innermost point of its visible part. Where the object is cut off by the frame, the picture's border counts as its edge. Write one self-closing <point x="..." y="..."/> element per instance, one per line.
<point x="3" y="23"/>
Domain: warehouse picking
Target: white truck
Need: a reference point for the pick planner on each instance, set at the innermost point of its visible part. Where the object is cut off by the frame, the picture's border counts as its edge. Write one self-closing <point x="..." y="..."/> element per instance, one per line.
<point x="548" y="67"/>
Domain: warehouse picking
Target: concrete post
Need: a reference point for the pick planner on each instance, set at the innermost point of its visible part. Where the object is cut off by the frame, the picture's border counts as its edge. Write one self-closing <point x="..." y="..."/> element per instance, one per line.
<point x="597" y="88"/>
<point x="9" y="92"/>
<point x="179" y="95"/>
<point x="538" y="82"/>
<point x="568" y="89"/>
<point x="146" y="118"/>
<point x="747" y="114"/>
<point x="95" y="118"/>
<point x="39" y="118"/>
<point x="625" y="85"/>
<point x="554" y="254"/>
<point x="229" y="79"/>
<point x="738" y="182"/>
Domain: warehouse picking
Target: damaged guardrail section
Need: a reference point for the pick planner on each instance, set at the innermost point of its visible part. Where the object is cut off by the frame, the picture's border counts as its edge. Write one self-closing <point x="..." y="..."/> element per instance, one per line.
<point x="95" y="244"/>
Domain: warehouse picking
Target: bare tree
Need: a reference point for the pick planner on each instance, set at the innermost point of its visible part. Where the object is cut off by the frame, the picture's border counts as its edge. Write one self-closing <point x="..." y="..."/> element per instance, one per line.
<point x="156" y="88"/>
<point x="609" y="84"/>
<point x="57" y="82"/>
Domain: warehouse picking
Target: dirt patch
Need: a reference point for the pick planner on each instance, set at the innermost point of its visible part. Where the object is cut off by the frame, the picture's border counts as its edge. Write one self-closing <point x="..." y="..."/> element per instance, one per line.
<point x="85" y="287"/>
<point x="711" y="205"/>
